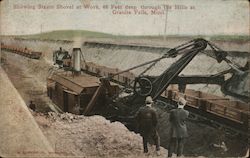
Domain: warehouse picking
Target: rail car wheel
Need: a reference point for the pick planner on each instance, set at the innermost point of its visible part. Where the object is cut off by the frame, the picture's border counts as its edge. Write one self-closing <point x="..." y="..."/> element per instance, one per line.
<point x="143" y="86"/>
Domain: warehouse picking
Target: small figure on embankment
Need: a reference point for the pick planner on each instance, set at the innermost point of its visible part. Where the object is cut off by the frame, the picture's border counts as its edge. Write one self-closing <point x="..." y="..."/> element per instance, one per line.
<point x="32" y="106"/>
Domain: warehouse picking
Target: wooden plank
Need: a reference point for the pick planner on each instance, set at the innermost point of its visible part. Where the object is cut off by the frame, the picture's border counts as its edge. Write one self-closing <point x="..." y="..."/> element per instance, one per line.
<point x="226" y="117"/>
<point x="93" y="100"/>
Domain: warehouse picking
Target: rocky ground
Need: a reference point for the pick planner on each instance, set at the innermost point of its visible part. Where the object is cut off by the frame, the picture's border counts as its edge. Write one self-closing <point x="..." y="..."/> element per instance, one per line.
<point x="93" y="136"/>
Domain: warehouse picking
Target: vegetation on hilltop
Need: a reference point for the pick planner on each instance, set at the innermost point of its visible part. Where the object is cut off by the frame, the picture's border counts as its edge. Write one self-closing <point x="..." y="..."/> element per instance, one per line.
<point x="71" y="34"/>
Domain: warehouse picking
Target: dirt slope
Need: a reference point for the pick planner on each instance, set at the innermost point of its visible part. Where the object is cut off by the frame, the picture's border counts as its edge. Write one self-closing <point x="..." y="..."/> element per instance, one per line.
<point x="20" y="134"/>
<point x="93" y="136"/>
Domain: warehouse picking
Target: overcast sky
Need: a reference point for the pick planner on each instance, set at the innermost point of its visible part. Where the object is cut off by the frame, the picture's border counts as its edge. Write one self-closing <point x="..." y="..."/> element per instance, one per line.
<point x="208" y="17"/>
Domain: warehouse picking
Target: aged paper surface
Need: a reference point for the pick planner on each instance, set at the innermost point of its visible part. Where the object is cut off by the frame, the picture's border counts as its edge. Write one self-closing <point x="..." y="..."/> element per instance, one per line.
<point x="116" y="35"/>
<point x="127" y="17"/>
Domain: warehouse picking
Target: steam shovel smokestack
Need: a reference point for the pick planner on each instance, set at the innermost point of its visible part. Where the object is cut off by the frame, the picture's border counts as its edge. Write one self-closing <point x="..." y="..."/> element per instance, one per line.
<point x="77" y="60"/>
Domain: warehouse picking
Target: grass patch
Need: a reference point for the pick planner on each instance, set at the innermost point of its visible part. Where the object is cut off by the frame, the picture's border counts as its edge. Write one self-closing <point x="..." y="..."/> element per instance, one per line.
<point x="239" y="38"/>
<point x="66" y="35"/>
<point x="71" y="34"/>
<point x="231" y="38"/>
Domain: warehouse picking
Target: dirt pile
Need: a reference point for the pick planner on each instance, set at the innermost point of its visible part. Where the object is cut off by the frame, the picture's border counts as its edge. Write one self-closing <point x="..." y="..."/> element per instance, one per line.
<point x="94" y="136"/>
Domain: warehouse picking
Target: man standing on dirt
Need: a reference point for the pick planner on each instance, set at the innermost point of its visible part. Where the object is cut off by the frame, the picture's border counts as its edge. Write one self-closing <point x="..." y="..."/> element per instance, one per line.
<point x="32" y="106"/>
<point x="178" y="130"/>
<point x="147" y="121"/>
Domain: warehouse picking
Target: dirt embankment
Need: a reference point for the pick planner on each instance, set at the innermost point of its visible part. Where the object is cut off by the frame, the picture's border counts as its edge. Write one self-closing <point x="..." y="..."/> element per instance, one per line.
<point x="20" y="135"/>
<point x="29" y="78"/>
<point x="171" y="42"/>
<point x="94" y="136"/>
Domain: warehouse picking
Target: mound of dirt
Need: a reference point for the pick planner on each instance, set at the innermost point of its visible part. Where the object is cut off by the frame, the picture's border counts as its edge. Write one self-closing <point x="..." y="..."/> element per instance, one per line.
<point x="94" y="136"/>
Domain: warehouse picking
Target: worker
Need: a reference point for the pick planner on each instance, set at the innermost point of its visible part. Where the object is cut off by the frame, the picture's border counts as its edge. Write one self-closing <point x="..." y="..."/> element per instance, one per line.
<point x="147" y="121"/>
<point x="178" y="128"/>
<point x="32" y="106"/>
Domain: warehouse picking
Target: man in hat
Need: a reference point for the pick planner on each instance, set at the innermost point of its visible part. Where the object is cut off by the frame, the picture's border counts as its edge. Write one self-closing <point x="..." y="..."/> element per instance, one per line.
<point x="178" y="129"/>
<point x="147" y="121"/>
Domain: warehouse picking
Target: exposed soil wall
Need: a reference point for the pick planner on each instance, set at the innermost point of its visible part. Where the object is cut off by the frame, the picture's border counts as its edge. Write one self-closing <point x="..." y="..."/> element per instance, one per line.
<point x="20" y="134"/>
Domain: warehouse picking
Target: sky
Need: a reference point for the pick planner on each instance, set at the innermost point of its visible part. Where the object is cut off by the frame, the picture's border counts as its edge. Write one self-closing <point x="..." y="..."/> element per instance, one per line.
<point x="201" y="17"/>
